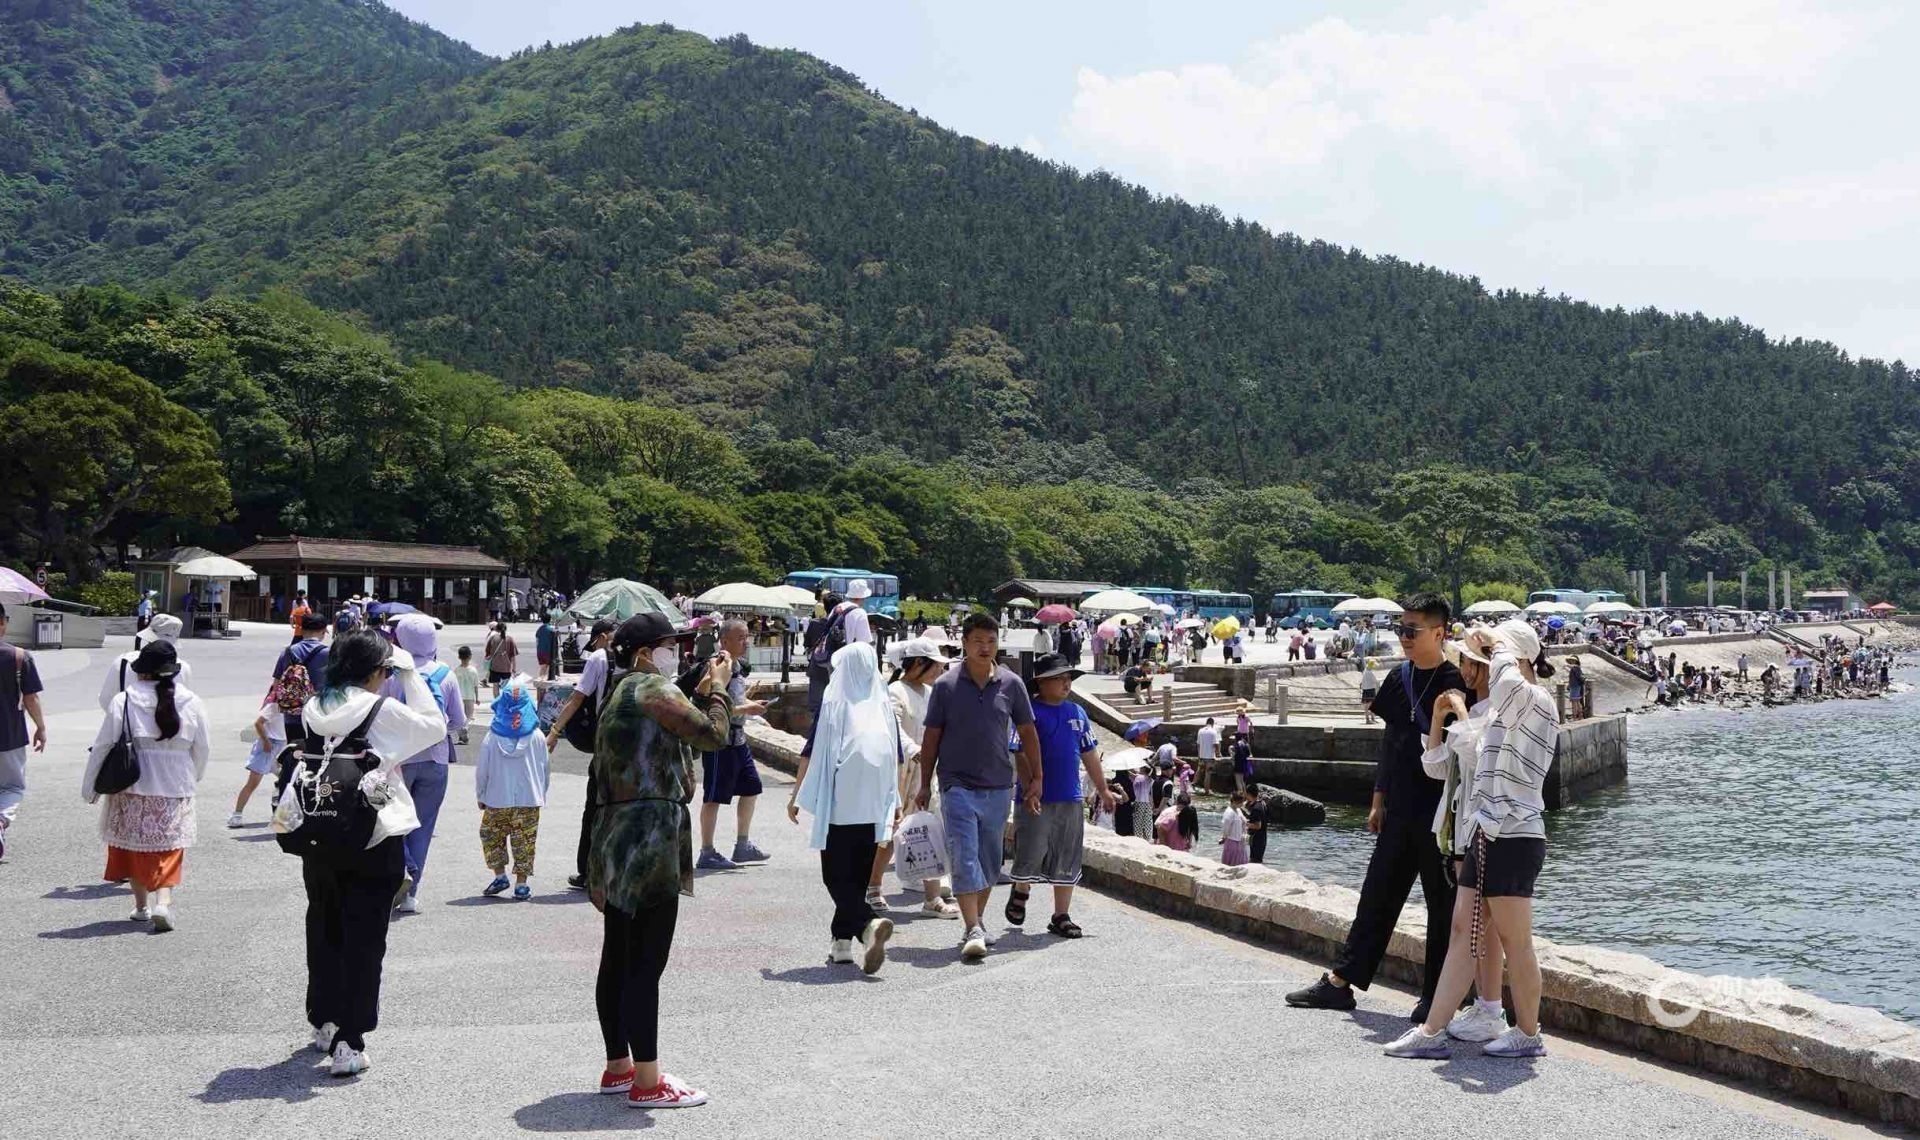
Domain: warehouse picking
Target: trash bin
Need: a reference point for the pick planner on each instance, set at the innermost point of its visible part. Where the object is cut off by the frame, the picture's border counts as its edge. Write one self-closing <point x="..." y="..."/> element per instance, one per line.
<point x="47" y="631"/>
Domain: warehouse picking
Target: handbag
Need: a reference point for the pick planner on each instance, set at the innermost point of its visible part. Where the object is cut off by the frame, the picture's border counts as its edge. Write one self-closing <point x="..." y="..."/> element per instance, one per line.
<point x="120" y="769"/>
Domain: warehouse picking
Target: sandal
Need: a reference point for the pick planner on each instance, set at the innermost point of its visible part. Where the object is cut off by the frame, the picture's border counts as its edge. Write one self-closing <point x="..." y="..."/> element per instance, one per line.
<point x="1016" y="907"/>
<point x="1064" y="926"/>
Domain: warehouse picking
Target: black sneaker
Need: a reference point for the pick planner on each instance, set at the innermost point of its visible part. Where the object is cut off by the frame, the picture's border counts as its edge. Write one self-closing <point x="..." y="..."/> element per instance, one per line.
<point x="1322" y="994"/>
<point x="577" y="882"/>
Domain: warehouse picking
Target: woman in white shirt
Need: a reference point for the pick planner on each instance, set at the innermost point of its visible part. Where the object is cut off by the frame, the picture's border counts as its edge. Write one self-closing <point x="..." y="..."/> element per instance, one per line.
<point x="149" y="825"/>
<point x="1506" y="832"/>
<point x="920" y="666"/>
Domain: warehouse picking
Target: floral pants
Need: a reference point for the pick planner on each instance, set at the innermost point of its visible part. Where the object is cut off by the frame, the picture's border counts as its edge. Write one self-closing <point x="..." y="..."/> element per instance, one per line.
<point x="498" y="827"/>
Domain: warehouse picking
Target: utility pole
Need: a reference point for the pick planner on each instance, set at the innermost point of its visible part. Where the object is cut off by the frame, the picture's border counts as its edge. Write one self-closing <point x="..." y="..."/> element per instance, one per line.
<point x="1709" y="589"/>
<point x="1786" y="588"/>
<point x="1663" y="589"/>
<point x="1773" y="598"/>
<point x="1743" y="589"/>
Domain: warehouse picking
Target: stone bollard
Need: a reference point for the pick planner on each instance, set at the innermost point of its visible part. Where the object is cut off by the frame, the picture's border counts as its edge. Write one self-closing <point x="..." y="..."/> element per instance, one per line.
<point x="1166" y="703"/>
<point x="1560" y="701"/>
<point x="1277" y="700"/>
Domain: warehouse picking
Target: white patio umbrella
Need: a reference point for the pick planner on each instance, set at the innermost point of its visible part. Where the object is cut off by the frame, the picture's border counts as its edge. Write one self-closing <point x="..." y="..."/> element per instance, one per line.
<point x="1116" y="602"/>
<point x="1124" y="760"/>
<point x="1367" y="606"/>
<point x="1490" y="607"/>
<point x="742" y="598"/>
<point x="1547" y="609"/>
<point x="213" y="566"/>
<point x="1608" y="609"/>
<point x="793" y="595"/>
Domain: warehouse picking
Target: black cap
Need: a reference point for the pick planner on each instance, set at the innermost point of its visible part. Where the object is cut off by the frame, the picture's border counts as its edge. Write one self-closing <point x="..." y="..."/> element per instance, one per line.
<point x="639" y="630"/>
<point x="313" y="619"/>
<point x="157" y="659"/>
<point x="602" y="627"/>
<point x="1053" y="665"/>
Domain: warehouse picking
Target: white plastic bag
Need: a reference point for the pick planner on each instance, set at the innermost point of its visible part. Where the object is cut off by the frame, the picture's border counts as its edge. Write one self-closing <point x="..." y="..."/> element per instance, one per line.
<point x="920" y="849"/>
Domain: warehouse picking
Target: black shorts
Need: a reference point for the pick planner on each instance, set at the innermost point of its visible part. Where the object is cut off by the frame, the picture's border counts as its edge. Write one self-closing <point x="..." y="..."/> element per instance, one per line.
<point x="728" y="773"/>
<point x="1512" y="866"/>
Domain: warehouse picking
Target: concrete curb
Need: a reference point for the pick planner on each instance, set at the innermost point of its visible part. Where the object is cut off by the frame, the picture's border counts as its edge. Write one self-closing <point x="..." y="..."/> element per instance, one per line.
<point x="1758" y="1032"/>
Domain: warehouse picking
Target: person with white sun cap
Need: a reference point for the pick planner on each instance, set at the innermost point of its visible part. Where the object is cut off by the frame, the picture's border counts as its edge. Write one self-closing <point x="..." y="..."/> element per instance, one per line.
<point x="163" y="627"/>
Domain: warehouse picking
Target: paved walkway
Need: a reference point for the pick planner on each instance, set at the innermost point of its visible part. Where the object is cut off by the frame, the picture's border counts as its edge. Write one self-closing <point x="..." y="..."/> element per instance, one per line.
<point x="1148" y="1027"/>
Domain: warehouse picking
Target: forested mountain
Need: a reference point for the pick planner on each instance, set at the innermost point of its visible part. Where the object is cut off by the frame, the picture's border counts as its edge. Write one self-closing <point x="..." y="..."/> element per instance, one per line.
<point x="753" y="236"/>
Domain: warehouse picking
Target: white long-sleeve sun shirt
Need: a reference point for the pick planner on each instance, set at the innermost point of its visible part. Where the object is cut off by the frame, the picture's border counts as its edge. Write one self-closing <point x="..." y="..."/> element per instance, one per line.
<point x="1516" y="750"/>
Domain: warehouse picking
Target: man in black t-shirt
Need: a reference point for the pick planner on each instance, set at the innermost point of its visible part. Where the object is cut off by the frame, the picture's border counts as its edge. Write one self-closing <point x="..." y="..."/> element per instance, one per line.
<point x="1404" y="799"/>
<point x="1256" y="827"/>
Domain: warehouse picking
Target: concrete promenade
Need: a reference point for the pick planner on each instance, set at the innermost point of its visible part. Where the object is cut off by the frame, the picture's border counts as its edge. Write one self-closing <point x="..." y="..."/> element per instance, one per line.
<point x="1147" y="1027"/>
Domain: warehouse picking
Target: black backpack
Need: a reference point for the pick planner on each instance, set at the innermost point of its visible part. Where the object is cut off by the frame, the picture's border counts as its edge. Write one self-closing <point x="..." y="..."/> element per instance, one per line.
<point x="832" y="638"/>
<point x="333" y="816"/>
<point x="583" y="727"/>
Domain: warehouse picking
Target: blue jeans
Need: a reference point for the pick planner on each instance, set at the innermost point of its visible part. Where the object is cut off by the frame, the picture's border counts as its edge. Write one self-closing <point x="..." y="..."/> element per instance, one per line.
<point x="976" y="823"/>
<point x="13" y="783"/>
<point x="426" y="781"/>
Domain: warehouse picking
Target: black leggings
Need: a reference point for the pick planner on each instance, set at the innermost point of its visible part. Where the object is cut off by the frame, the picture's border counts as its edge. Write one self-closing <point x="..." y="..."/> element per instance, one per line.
<point x="845" y="866"/>
<point x="349" y="903"/>
<point x="633" y="955"/>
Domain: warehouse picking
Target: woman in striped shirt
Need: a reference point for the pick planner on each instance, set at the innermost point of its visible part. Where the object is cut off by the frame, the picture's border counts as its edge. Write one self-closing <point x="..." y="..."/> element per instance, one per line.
<point x="1507" y="840"/>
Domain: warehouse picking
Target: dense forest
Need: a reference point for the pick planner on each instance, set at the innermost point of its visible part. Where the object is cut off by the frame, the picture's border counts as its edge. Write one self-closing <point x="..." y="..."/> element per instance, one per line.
<point x="667" y="224"/>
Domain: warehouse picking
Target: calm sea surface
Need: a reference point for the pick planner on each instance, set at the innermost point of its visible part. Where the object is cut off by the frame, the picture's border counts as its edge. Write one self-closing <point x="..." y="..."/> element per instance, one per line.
<point x="1768" y="843"/>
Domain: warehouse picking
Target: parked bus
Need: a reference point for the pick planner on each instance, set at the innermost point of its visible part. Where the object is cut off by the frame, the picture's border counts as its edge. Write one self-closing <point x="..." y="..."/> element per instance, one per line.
<point x="1306" y="608"/>
<point x="886" y="587"/>
<point x="1216" y="604"/>
<point x="1579" y="599"/>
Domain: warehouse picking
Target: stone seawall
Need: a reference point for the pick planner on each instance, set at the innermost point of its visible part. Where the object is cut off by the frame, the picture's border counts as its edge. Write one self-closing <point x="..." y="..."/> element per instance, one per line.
<point x="1781" y="1040"/>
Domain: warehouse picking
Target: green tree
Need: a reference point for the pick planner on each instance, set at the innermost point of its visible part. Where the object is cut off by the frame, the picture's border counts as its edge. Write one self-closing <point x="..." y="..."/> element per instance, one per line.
<point x="1449" y="513"/>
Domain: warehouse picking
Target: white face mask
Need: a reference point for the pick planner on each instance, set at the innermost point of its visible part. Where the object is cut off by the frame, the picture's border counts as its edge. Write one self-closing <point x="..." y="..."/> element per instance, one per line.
<point x="666" y="660"/>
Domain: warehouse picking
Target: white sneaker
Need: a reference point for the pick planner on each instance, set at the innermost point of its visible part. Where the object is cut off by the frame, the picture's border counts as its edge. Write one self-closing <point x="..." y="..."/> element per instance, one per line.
<point x="323" y="1037"/>
<point x="1514" y="1043"/>
<point x="409" y="905"/>
<point x="1415" y="1044"/>
<point x="1476" y="1023"/>
<point x="162" y="919"/>
<point x="974" y="946"/>
<point x="840" y="952"/>
<point x="348" y="1061"/>
<point x="140" y="914"/>
<point x="236" y="820"/>
<point x="877" y="933"/>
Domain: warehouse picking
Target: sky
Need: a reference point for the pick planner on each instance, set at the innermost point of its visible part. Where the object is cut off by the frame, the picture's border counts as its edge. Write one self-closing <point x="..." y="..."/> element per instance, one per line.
<point x="1738" y="158"/>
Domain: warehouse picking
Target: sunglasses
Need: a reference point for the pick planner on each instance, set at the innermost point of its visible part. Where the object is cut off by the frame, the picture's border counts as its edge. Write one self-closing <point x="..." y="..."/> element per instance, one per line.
<point x="1409" y="632"/>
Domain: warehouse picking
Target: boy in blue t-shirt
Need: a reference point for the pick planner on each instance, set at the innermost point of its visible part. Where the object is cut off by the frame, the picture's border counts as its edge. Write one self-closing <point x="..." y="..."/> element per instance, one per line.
<point x="1049" y="824"/>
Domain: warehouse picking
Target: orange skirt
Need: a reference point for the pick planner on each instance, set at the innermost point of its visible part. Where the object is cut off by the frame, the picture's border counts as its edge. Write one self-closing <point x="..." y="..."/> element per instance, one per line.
<point x="151" y="869"/>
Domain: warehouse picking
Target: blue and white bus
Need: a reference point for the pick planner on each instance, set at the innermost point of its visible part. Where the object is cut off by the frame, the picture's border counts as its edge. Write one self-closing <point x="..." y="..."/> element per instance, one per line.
<point x="1578" y="599"/>
<point x="1216" y="604"/>
<point x="1306" y="609"/>
<point x="885" y="598"/>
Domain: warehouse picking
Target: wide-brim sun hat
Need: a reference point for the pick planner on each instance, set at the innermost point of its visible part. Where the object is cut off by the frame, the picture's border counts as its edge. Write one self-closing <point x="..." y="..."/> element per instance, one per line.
<point x="1461" y="651"/>
<point x="1053" y="665"/>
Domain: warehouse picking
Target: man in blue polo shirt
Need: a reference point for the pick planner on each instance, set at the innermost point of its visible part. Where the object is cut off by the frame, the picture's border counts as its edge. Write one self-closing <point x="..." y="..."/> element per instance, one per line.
<point x="971" y="711"/>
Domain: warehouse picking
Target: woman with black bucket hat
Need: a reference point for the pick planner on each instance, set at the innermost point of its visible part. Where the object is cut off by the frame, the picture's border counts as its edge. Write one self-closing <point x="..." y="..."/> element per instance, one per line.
<point x="149" y="823"/>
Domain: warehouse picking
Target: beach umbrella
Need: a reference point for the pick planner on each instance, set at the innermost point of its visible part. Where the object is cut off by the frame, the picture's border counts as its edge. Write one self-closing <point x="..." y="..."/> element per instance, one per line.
<point x="794" y="596"/>
<point x="622" y="598"/>
<point x="1111" y="627"/>
<point x="213" y="566"/>
<point x="1022" y="603"/>
<point x="742" y="598"/>
<point x="18" y="590"/>
<point x="1191" y="623"/>
<point x="1547" y="609"/>
<point x="1125" y="760"/>
<point x="1354" y="606"/>
<point x="1491" y="606"/>
<point x="1226" y="627"/>
<point x="1140" y="728"/>
<point x="1055" y="614"/>
<point x="1609" y="609"/>
<point x="1116" y="602"/>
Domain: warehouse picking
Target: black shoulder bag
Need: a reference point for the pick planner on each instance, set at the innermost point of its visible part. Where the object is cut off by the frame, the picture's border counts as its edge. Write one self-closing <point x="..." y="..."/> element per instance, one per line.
<point x="121" y="768"/>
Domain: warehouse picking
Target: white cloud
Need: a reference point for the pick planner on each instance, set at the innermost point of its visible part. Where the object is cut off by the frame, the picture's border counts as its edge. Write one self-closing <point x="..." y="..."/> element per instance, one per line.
<point x="1515" y="93"/>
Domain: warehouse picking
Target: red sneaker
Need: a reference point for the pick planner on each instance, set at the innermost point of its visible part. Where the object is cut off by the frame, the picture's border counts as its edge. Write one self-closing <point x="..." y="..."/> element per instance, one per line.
<point x="669" y="1093"/>
<point x="611" y="1083"/>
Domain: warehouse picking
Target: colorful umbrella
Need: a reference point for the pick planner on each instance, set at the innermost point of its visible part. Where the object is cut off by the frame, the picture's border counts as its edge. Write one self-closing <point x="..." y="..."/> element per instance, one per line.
<point x="1055" y="614"/>
<point x="1140" y="728"/>
<point x="1226" y="627"/>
